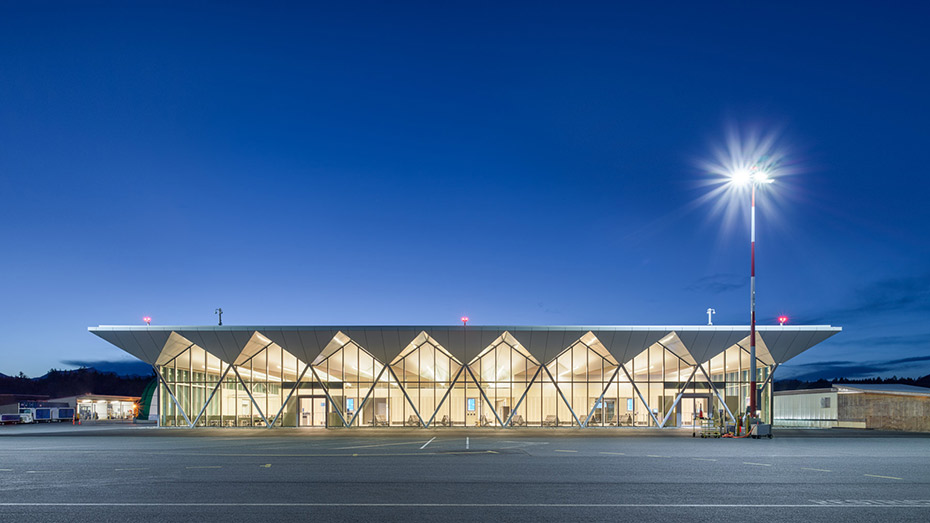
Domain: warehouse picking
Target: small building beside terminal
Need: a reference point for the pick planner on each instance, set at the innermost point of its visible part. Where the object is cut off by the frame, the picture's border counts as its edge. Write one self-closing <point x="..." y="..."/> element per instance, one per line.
<point x="398" y="376"/>
<point x="70" y="408"/>
<point x="102" y="407"/>
<point x="867" y="406"/>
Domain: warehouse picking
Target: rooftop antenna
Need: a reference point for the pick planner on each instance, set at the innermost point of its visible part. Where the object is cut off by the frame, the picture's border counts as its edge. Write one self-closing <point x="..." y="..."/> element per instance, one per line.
<point x="710" y="316"/>
<point x="219" y="312"/>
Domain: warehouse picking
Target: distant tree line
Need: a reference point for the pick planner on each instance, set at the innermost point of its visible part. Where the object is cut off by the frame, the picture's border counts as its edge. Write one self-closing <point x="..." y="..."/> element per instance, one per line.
<point x="60" y="383"/>
<point x="825" y="384"/>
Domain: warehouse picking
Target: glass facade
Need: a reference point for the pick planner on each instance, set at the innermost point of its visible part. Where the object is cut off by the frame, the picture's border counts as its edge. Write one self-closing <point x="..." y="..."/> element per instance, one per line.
<point x="583" y="385"/>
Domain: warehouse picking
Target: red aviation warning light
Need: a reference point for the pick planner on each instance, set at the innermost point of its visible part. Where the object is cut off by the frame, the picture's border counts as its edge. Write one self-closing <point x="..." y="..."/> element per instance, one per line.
<point x="147" y="320"/>
<point x="464" y="320"/>
<point x="782" y="319"/>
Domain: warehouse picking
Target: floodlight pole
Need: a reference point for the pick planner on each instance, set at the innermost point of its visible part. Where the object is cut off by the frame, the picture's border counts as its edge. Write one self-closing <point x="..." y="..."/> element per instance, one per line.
<point x="752" y="304"/>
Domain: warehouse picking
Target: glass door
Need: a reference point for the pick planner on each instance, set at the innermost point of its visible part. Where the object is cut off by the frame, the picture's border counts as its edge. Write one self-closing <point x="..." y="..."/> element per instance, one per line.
<point x="313" y="411"/>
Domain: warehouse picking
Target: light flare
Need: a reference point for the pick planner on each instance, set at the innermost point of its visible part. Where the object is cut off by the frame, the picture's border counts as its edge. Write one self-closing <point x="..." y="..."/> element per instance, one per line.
<point x="747" y="156"/>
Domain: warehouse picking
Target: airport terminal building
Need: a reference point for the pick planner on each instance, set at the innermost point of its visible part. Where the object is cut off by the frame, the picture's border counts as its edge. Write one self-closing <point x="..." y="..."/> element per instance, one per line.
<point x="399" y="376"/>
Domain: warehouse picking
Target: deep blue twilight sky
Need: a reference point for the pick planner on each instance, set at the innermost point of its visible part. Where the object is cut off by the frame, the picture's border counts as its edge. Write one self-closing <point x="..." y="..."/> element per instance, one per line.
<point x="393" y="163"/>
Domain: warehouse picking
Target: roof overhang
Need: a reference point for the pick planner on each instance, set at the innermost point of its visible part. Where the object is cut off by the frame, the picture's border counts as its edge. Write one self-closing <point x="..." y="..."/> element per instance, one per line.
<point x="228" y="342"/>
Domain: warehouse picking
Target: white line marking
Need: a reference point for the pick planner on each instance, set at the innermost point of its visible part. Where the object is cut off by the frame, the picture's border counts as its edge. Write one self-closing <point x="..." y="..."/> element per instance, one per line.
<point x="378" y="445"/>
<point x="466" y="443"/>
<point x="130" y="469"/>
<point x="883" y="477"/>
<point x="816" y="470"/>
<point x="757" y="464"/>
<point x="205" y="467"/>
<point x="613" y="453"/>
<point x="703" y="459"/>
<point x="427" y="443"/>
<point x="873" y="504"/>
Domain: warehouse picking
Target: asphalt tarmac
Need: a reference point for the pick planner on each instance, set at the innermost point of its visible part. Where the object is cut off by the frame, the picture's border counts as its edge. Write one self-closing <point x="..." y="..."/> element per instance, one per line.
<point x="126" y="474"/>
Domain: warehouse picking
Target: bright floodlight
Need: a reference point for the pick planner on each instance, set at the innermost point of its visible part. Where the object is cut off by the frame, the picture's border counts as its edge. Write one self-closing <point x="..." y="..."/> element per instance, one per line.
<point x="741" y="177"/>
<point x="751" y="175"/>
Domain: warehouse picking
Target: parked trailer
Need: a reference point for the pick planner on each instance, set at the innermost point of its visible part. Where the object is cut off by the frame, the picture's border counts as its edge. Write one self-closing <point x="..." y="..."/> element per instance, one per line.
<point x="13" y="419"/>
<point x="10" y="419"/>
<point x="48" y="414"/>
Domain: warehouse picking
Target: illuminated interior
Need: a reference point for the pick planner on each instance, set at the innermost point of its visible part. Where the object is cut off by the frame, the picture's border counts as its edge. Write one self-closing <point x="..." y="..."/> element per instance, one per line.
<point x="425" y="385"/>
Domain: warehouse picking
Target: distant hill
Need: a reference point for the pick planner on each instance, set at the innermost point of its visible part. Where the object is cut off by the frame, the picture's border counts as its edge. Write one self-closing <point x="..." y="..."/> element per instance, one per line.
<point x="59" y="383"/>
<point x="121" y="367"/>
<point x="824" y="384"/>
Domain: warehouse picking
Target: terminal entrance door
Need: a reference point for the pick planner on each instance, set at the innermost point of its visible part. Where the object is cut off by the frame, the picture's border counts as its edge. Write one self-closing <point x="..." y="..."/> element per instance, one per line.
<point x="313" y="411"/>
<point x="692" y="405"/>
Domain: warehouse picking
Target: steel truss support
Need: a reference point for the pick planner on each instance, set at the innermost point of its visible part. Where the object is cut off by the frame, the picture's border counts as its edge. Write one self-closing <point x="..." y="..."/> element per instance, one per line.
<point x="444" y="396"/>
<point x="767" y="380"/>
<point x="247" y="391"/>
<point x="525" y="392"/>
<point x="209" y="399"/>
<point x="601" y="397"/>
<point x="328" y="397"/>
<point x="567" y="404"/>
<point x="771" y="415"/>
<point x="717" y="393"/>
<point x="370" y="392"/>
<point x="171" y="393"/>
<point x="485" y="396"/>
<point x="401" y="387"/>
<point x="678" y="398"/>
<point x="640" y="394"/>
<point x="288" y="398"/>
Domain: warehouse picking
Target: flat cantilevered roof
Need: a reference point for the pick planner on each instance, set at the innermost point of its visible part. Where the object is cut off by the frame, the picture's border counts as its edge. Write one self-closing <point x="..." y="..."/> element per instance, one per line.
<point x="156" y="344"/>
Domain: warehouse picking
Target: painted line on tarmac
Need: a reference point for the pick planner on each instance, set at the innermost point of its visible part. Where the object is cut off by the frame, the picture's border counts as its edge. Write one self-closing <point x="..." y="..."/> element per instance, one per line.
<point x="823" y="504"/>
<point x="6" y="470"/>
<point x="656" y="456"/>
<point x="757" y="464"/>
<point x="45" y="471"/>
<point x="883" y="477"/>
<point x="377" y="445"/>
<point x="205" y="467"/>
<point x="816" y="470"/>
<point x="703" y="459"/>
<point x="560" y="450"/>
<point x="140" y="468"/>
<point x="427" y="443"/>
<point x="613" y="453"/>
<point x="329" y="455"/>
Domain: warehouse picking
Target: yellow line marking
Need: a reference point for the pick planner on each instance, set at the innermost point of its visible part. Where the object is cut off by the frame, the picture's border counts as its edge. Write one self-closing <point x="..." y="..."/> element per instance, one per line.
<point x="492" y="452"/>
<point x="703" y="459"/>
<point x="757" y="464"/>
<point x="565" y="450"/>
<point x="613" y="453"/>
<point x="883" y="477"/>
<point x="817" y="470"/>
<point x="205" y="467"/>
<point x="266" y="466"/>
<point x="130" y="469"/>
